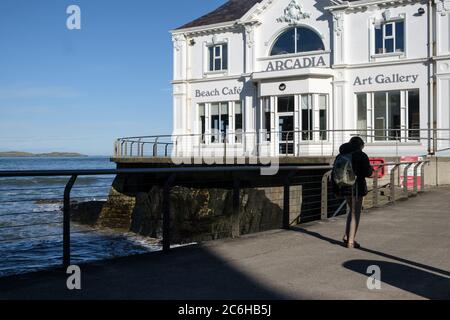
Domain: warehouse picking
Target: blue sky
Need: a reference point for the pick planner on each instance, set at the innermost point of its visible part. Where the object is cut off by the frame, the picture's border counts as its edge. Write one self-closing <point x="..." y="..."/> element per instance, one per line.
<point x="78" y="90"/>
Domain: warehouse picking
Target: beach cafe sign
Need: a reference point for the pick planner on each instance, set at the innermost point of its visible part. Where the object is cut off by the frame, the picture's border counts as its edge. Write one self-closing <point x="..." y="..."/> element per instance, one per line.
<point x="296" y="63"/>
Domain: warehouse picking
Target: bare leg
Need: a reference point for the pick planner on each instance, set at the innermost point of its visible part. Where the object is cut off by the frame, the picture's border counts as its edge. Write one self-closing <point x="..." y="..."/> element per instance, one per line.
<point x="349" y="217"/>
<point x="354" y="219"/>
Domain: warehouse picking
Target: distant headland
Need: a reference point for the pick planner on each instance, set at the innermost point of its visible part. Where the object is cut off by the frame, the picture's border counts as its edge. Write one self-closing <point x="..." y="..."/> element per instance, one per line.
<point x="41" y="155"/>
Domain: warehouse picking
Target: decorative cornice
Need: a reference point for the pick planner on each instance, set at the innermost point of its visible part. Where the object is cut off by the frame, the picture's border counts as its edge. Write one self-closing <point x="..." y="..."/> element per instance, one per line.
<point x="294" y="13"/>
<point x="178" y="40"/>
<point x="338" y="18"/>
<point x="361" y="6"/>
<point x="443" y="7"/>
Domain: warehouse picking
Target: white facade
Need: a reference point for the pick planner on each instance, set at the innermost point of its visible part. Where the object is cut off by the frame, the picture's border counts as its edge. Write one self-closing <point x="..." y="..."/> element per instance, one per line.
<point x="382" y="71"/>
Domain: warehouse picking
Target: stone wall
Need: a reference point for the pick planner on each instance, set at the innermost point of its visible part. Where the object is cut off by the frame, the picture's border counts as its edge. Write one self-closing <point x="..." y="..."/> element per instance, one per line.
<point x="197" y="214"/>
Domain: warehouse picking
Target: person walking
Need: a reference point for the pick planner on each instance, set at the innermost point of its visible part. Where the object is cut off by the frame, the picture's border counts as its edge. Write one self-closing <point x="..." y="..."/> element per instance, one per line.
<point x="351" y="168"/>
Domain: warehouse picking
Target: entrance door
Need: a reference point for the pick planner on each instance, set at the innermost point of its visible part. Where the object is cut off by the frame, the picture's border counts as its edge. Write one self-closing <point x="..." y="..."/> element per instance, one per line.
<point x="286" y="126"/>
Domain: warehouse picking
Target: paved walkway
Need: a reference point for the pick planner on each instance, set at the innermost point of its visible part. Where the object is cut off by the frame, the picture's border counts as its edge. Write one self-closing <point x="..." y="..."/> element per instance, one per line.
<point x="410" y="242"/>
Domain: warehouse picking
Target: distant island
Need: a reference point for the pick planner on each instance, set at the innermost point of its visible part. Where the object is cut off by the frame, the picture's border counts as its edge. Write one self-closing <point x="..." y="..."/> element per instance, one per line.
<point x="11" y="154"/>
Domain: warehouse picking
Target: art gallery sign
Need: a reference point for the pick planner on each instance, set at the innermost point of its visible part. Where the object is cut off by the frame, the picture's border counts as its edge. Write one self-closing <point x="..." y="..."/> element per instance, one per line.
<point x="386" y="79"/>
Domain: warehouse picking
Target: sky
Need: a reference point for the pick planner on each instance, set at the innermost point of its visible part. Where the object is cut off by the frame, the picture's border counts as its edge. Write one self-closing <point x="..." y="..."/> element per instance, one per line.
<point x="78" y="90"/>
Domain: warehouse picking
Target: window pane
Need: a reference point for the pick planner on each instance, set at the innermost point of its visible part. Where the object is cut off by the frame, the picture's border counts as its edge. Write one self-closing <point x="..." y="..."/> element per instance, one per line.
<point x="217" y="51"/>
<point x="217" y="64"/>
<point x="307" y="117"/>
<point x="286" y="104"/>
<point x="285" y="43"/>
<point x="414" y="113"/>
<point x="380" y="116"/>
<point x="202" y="121"/>
<point x="224" y="57"/>
<point x="394" y="115"/>
<point x="400" y="36"/>
<point x="238" y="121"/>
<point x="266" y="125"/>
<point x="308" y="40"/>
<point x="215" y="128"/>
<point x="211" y="58"/>
<point x="323" y="116"/>
<point x="378" y="40"/>
<point x="389" y="45"/>
<point x="388" y="29"/>
<point x="224" y="119"/>
<point x="362" y="114"/>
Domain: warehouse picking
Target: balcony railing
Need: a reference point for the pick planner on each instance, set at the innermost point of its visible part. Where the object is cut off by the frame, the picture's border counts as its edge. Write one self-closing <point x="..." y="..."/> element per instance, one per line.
<point x="280" y="143"/>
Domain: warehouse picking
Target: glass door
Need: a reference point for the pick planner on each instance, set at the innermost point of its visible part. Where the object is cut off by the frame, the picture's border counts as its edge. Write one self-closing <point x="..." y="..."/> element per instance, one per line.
<point x="286" y="108"/>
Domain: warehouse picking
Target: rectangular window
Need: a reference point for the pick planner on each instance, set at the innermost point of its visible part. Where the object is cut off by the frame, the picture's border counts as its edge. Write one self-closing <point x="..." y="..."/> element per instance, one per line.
<point x="323" y="116"/>
<point x="390" y="37"/>
<point x="361" y="101"/>
<point x="394" y="115"/>
<point x="388" y="116"/>
<point x="414" y="114"/>
<point x="224" y="120"/>
<point x="307" y="117"/>
<point x="202" y="121"/>
<point x="238" y="121"/>
<point x="267" y="118"/>
<point x="215" y="123"/>
<point x="219" y="119"/>
<point x="380" y="120"/>
<point x="286" y="104"/>
<point x="218" y="57"/>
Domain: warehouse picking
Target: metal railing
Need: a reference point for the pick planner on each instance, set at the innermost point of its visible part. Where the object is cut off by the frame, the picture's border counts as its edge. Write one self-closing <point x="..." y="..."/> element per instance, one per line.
<point x="303" y="194"/>
<point x="279" y="143"/>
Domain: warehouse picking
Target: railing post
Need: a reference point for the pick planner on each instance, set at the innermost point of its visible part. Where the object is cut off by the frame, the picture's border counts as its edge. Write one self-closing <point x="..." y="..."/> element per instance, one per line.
<point x="236" y="228"/>
<point x="286" y="204"/>
<point x="155" y="148"/>
<point x="375" y="188"/>
<point x="66" y="221"/>
<point x="422" y="179"/>
<point x="324" y="202"/>
<point x="405" y="178"/>
<point x="416" y="185"/>
<point x="392" y="186"/>
<point x="166" y="212"/>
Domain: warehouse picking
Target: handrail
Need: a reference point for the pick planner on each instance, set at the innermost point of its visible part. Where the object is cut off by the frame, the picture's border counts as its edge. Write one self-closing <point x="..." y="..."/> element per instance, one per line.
<point x="250" y="142"/>
<point x="171" y="175"/>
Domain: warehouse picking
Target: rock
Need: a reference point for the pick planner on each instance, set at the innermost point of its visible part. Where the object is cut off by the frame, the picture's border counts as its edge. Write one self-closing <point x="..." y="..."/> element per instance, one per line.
<point x="86" y="213"/>
<point x="197" y="214"/>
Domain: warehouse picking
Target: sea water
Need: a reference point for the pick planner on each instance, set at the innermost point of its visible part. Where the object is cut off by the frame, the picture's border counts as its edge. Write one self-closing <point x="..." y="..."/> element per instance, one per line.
<point x="31" y="217"/>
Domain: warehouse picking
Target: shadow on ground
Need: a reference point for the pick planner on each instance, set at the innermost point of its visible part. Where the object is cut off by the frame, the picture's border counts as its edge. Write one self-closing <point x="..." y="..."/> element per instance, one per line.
<point x="420" y="282"/>
<point x="184" y="273"/>
<point x="420" y="279"/>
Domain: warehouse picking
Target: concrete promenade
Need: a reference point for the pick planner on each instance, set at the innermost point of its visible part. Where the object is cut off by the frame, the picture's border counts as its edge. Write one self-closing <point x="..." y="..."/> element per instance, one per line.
<point x="409" y="241"/>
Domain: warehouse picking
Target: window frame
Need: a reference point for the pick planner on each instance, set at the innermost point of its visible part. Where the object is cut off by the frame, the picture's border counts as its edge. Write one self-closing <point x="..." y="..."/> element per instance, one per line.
<point x="296" y="39"/>
<point x="404" y="130"/>
<point x="393" y="37"/>
<point x="208" y="137"/>
<point x="211" y="60"/>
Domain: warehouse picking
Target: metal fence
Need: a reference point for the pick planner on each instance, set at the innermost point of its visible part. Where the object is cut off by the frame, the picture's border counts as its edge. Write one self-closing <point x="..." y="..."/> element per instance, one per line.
<point x="298" y="194"/>
<point x="280" y="143"/>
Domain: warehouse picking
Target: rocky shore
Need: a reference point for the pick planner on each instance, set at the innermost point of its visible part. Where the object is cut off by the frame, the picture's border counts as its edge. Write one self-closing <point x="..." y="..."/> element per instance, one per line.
<point x="196" y="214"/>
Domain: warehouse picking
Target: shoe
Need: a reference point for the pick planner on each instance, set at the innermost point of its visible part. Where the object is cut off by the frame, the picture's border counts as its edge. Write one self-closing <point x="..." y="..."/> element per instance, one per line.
<point x="354" y="245"/>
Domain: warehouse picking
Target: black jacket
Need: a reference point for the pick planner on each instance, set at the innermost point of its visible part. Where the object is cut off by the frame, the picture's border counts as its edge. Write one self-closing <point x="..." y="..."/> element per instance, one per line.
<point x="361" y="167"/>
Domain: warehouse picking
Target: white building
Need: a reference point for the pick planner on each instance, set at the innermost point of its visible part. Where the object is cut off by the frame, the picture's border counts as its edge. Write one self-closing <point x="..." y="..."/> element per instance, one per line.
<point x="299" y="77"/>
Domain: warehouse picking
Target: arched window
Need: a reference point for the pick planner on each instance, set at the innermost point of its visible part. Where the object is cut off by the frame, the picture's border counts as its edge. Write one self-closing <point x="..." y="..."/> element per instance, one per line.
<point x="296" y="40"/>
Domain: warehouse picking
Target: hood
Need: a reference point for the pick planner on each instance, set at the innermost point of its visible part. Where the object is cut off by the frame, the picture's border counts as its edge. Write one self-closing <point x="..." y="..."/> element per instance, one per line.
<point x="348" y="148"/>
